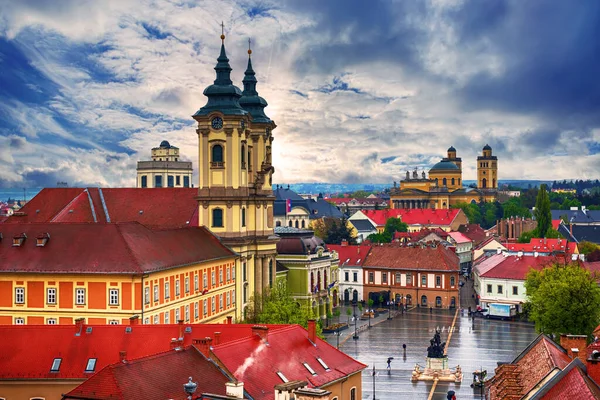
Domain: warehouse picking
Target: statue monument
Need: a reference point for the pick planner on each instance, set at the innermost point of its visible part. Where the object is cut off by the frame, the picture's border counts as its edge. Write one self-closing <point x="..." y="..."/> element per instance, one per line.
<point x="436" y="364"/>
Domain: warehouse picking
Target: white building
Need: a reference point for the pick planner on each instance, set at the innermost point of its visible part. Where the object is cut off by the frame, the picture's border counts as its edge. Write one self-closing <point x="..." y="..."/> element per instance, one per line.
<point x="165" y="169"/>
<point x="350" y="271"/>
<point x="464" y="250"/>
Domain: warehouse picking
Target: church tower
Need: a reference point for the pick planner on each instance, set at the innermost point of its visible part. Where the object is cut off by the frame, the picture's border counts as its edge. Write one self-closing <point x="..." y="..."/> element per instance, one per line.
<point x="235" y="198"/>
<point x="487" y="169"/>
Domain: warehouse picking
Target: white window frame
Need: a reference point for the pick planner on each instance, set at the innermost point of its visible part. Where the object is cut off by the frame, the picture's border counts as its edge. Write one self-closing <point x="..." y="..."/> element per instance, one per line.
<point x="167" y="290"/>
<point x="212" y="278"/>
<point x="205" y="308"/>
<point x="177" y="287"/>
<point x="113" y="297"/>
<point x="113" y="322"/>
<point x="19" y="321"/>
<point x="167" y="317"/>
<point x="233" y="297"/>
<point x="227" y="298"/>
<point x="51" y="295"/>
<point x="213" y="305"/>
<point x="204" y="280"/>
<point x="196" y="282"/>
<point x="91" y="365"/>
<point x="220" y="276"/>
<point x="187" y="312"/>
<point x="51" y="321"/>
<point x="80" y="296"/>
<point x="156" y="320"/>
<point x="221" y="302"/>
<point x="228" y="274"/>
<point x="177" y="316"/>
<point x="20" y="295"/>
<point x="156" y="293"/>
<point x="147" y="295"/>
<point x="187" y="284"/>
<point x="196" y="310"/>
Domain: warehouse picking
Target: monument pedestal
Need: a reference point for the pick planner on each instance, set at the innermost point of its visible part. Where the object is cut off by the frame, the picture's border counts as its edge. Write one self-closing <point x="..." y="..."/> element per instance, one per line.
<point x="436" y="369"/>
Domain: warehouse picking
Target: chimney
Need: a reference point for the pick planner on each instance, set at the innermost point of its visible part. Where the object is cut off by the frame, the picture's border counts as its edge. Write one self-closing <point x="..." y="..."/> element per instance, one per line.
<point x="123" y="356"/>
<point x="574" y="257"/>
<point x="535" y="253"/>
<point x="180" y="323"/>
<point x="593" y="365"/>
<point x="134" y="320"/>
<point x="176" y="343"/>
<point x="499" y="250"/>
<point x="312" y="330"/>
<point x="285" y="391"/>
<point x="261" y="331"/>
<point x="571" y="228"/>
<point x="235" y="390"/>
<point x="229" y="318"/>
<point x="79" y="325"/>
<point x="575" y="346"/>
<point x="312" y="394"/>
<point x="203" y="345"/>
<point x="358" y="249"/>
<point x="217" y="338"/>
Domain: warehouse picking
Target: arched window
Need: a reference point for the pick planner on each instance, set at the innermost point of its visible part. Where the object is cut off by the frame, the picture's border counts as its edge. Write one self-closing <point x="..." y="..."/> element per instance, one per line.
<point x="217" y="217"/>
<point x="277" y="223"/>
<point x="484" y="183"/>
<point x="243" y="155"/>
<point x="296" y="224"/>
<point x="243" y="217"/>
<point x="452" y="281"/>
<point x="217" y="155"/>
<point x="436" y="182"/>
<point x="290" y="223"/>
<point x="408" y="300"/>
<point x="453" y="181"/>
<point x="423" y="301"/>
<point x="303" y="224"/>
<point x="493" y="183"/>
<point x="438" y="301"/>
<point x="452" y="302"/>
<point x="444" y="182"/>
<point x="353" y="393"/>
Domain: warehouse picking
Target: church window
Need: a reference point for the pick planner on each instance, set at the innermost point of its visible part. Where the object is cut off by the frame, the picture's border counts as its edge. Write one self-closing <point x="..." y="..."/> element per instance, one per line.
<point x="144" y="182"/>
<point x="484" y="183"/>
<point x="217" y="155"/>
<point x="158" y="181"/>
<point x="296" y="224"/>
<point x="217" y="217"/>
<point x="186" y="181"/>
<point x="170" y="182"/>
<point x="178" y="180"/>
<point x="290" y="223"/>
<point x="243" y="155"/>
<point x="452" y="181"/>
<point x="303" y="224"/>
<point x="278" y="223"/>
<point x="438" y="301"/>
<point x="444" y="182"/>
<point x="243" y="217"/>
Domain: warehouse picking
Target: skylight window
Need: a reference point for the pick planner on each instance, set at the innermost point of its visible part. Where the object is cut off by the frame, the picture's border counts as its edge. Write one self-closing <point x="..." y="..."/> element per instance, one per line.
<point x="55" y="365"/>
<point x="312" y="371"/>
<point x="322" y="363"/>
<point x="282" y="377"/>
<point x="91" y="365"/>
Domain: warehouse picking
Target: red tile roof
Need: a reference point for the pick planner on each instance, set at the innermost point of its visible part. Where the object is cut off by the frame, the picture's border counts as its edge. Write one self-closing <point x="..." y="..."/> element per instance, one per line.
<point x="473" y="231"/>
<point x="414" y="258"/>
<point x="460" y="237"/>
<point x="162" y="208"/>
<point x="159" y="376"/>
<point x="256" y="364"/>
<point x="351" y="255"/>
<point x="421" y="234"/>
<point x="527" y="370"/>
<point x="543" y="246"/>
<point x="43" y="343"/>
<point x="556" y="223"/>
<point x="575" y="384"/>
<point x="417" y="216"/>
<point x="513" y="267"/>
<point x="106" y="248"/>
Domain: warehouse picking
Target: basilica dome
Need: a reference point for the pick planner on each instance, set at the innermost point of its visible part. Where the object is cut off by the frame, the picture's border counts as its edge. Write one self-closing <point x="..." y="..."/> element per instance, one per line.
<point x="444" y="166"/>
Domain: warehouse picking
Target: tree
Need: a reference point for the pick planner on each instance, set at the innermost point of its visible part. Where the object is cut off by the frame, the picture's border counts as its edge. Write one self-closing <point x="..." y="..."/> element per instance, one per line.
<point x="563" y="299"/>
<point x="542" y="211"/>
<point x="393" y="225"/>
<point x="527" y="236"/>
<point x="471" y="211"/>
<point x="334" y="230"/>
<point x="277" y="306"/>
<point x="586" y="247"/>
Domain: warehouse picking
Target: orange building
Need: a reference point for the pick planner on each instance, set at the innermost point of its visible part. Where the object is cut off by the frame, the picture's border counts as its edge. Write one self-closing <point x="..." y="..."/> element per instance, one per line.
<point x="106" y="273"/>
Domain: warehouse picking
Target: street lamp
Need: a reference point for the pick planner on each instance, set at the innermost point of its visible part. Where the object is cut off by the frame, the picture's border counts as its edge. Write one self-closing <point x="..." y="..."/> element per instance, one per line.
<point x="337" y="334"/>
<point x="355" y="337"/>
<point x="389" y="304"/>
<point x="374" y="381"/>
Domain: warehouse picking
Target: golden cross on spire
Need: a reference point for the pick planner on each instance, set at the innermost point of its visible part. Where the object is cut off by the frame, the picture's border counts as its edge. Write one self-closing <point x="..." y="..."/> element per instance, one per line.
<point x="222" y="32"/>
<point x="249" y="47"/>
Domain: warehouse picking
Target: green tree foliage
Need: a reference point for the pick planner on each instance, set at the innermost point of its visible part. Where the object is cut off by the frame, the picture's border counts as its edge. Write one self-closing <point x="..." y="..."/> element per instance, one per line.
<point x="277" y="306"/>
<point x="392" y="225"/>
<point x="514" y="208"/>
<point x="586" y="247"/>
<point x="527" y="236"/>
<point x="334" y="230"/>
<point x="563" y="299"/>
<point x="542" y="212"/>
<point x="528" y="197"/>
<point x="471" y="211"/>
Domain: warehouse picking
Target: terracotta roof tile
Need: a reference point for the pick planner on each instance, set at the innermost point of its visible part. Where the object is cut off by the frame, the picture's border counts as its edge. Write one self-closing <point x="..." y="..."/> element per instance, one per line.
<point x="573" y="385"/>
<point x="434" y="259"/>
<point x="351" y="255"/>
<point x="418" y="216"/>
<point x="513" y="267"/>
<point x="159" y="376"/>
<point x="106" y="248"/>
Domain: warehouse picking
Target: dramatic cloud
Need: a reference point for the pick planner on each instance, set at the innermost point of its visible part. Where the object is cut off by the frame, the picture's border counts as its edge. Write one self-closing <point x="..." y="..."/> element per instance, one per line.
<point x="361" y="91"/>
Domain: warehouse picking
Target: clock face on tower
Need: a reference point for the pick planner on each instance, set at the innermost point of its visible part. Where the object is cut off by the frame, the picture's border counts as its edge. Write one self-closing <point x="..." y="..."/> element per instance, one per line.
<point x="217" y="123"/>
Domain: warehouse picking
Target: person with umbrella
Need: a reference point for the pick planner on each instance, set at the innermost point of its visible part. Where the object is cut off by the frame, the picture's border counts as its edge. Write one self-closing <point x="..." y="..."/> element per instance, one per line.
<point x="451" y="395"/>
<point x="389" y="362"/>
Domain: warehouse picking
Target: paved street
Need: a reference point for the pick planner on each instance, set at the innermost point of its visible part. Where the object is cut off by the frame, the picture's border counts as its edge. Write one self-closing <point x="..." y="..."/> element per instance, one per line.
<point x="474" y="344"/>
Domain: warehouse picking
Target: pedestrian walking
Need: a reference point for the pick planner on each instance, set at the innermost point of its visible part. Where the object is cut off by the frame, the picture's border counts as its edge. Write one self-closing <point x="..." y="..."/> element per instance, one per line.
<point x="389" y="362"/>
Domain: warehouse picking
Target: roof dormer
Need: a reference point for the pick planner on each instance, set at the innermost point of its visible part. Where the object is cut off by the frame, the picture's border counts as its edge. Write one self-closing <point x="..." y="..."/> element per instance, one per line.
<point x="42" y="239"/>
<point x="19" y="239"/>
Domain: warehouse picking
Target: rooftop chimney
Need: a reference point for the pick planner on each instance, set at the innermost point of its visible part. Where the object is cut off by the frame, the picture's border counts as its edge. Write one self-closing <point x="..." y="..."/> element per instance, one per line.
<point x="229" y="318"/>
<point x="593" y="365"/>
<point x="344" y="243"/>
<point x="79" y="324"/>
<point x="312" y="394"/>
<point x="235" y="390"/>
<point x="203" y="345"/>
<point x="217" y="338"/>
<point x="285" y="390"/>
<point x="575" y="346"/>
<point x="312" y="330"/>
<point x="261" y="331"/>
<point x="134" y="320"/>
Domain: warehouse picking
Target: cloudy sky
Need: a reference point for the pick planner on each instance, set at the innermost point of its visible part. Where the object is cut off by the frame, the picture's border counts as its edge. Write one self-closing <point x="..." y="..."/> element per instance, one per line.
<point x="360" y="90"/>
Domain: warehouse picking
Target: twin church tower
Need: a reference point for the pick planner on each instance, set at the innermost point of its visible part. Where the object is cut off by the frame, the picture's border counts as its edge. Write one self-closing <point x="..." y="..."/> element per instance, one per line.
<point x="235" y="196"/>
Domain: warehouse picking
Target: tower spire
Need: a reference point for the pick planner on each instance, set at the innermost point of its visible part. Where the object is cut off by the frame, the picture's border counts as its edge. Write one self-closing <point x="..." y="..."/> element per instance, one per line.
<point x="250" y="100"/>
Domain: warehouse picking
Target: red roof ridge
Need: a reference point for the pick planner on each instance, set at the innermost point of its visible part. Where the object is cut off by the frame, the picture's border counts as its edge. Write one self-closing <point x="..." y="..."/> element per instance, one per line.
<point x="66" y="207"/>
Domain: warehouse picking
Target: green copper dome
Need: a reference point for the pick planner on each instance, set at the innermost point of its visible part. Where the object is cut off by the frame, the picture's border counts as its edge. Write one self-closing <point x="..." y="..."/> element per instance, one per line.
<point x="222" y="95"/>
<point x="487" y="147"/>
<point x="250" y="100"/>
<point x="444" y="166"/>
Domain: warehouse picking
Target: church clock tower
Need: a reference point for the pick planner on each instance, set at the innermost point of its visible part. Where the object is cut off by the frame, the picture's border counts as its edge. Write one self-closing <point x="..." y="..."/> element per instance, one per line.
<point x="487" y="169"/>
<point x="235" y="197"/>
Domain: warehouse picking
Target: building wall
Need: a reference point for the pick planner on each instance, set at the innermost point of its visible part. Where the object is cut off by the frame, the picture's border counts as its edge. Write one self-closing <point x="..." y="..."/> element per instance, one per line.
<point x="506" y="297"/>
<point x="416" y="288"/>
<point x="33" y="389"/>
<point x="164" y="173"/>
<point x="492" y="245"/>
<point x="298" y="218"/>
<point x="341" y="390"/>
<point x="96" y="309"/>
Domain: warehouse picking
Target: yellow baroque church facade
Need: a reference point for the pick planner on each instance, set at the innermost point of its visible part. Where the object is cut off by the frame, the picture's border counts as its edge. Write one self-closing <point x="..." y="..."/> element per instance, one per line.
<point x="443" y="187"/>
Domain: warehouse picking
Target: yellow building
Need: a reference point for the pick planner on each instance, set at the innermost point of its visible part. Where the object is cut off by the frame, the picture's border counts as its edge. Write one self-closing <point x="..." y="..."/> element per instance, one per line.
<point x="235" y="196"/>
<point x="443" y="187"/>
<point x="165" y="169"/>
<point x="112" y="273"/>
